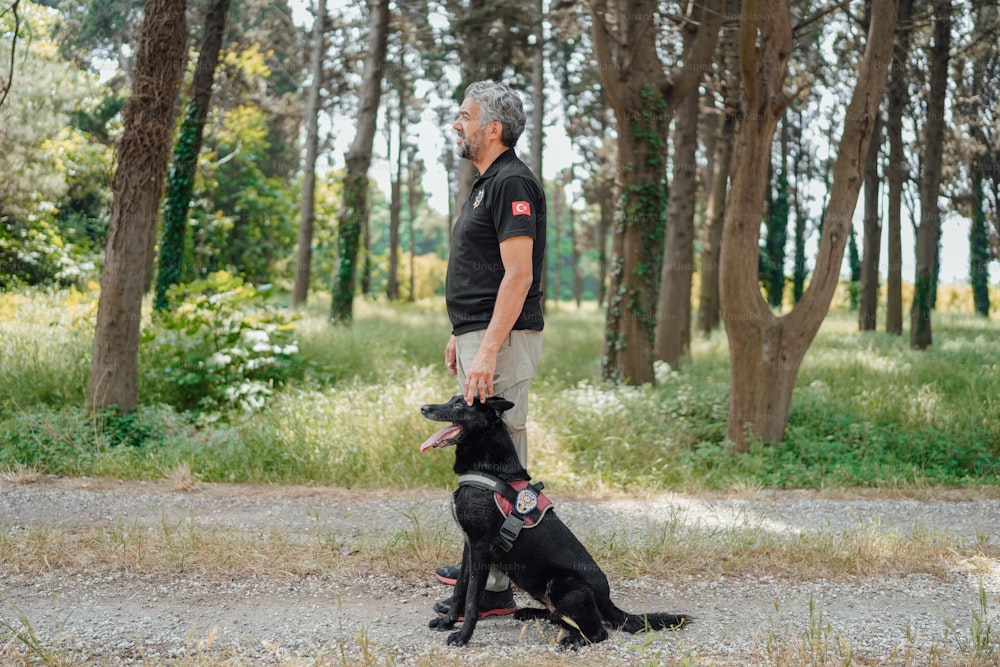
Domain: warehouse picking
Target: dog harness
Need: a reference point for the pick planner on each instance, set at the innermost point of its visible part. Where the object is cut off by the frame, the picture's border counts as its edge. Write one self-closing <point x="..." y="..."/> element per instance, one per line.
<point x="523" y="505"/>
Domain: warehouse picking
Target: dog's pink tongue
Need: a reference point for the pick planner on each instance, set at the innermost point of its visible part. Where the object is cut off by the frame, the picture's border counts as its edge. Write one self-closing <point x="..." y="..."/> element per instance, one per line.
<point x="440" y="439"/>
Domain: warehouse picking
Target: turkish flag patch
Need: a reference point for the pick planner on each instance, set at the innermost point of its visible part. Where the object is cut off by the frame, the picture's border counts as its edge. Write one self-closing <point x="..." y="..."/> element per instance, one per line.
<point x="520" y="208"/>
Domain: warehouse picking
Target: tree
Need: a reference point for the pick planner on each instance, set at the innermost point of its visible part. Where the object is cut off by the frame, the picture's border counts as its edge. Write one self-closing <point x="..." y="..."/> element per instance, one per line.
<point x="643" y="97"/>
<point x="872" y="239"/>
<point x="137" y="185"/>
<point x="896" y="168"/>
<point x="180" y="178"/>
<point x="924" y="283"/>
<point x="672" y="337"/>
<point x="354" y="213"/>
<point x="307" y="210"/>
<point x="765" y="351"/>
<point x="715" y="210"/>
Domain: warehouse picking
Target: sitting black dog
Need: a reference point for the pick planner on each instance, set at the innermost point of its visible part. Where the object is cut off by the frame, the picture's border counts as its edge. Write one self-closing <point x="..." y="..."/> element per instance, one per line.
<point x="533" y="547"/>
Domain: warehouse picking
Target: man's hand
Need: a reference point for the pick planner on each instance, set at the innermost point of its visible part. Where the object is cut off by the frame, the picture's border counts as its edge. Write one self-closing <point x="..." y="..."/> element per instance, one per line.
<point x="479" y="378"/>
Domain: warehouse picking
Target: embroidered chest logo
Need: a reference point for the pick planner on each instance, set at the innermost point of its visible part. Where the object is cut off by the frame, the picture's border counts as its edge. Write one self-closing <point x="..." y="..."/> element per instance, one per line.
<point x="520" y="208"/>
<point x="479" y="198"/>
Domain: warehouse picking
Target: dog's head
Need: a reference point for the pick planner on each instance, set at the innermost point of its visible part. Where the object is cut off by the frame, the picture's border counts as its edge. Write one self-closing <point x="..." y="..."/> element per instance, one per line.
<point x="463" y="418"/>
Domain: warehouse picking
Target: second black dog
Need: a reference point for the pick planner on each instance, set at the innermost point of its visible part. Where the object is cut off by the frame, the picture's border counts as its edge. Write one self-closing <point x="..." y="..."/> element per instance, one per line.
<point x="546" y="560"/>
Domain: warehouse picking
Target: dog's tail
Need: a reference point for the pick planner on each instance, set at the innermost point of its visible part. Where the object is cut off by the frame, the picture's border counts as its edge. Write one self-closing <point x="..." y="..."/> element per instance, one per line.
<point x="643" y="622"/>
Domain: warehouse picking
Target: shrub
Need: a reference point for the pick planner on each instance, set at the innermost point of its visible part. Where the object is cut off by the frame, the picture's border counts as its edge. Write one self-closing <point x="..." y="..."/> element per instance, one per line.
<point x="219" y="347"/>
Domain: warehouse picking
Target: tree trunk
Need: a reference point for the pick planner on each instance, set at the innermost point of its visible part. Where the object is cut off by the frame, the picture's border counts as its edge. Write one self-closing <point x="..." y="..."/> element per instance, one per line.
<point x="673" y="321"/>
<point x="896" y="168"/>
<point x="137" y="186"/>
<point x="558" y="209"/>
<point x="872" y="240"/>
<point x="413" y="194"/>
<point x="396" y="206"/>
<point x="765" y="351"/>
<point x="921" y="335"/>
<point x="979" y="257"/>
<point x="180" y="179"/>
<point x="715" y="211"/>
<point x="307" y="210"/>
<point x="643" y="98"/>
<point x="354" y="215"/>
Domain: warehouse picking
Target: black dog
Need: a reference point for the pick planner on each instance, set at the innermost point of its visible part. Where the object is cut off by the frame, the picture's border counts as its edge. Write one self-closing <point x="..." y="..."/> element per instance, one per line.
<point x="546" y="560"/>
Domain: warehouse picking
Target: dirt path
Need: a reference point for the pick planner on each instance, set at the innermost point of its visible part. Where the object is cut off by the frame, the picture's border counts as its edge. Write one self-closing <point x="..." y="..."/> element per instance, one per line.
<point x="118" y="617"/>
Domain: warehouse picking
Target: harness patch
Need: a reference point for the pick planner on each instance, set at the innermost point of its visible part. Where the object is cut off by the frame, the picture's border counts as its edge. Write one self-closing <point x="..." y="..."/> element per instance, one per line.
<point x="527" y="501"/>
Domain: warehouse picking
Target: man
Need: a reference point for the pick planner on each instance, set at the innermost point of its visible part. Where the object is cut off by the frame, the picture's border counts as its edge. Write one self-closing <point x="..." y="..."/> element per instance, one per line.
<point x="493" y="286"/>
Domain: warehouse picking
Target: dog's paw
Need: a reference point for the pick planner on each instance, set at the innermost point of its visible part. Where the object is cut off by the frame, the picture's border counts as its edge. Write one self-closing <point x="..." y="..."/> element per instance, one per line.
<point x="458" y="639"/>
<point x="441" y="623"/>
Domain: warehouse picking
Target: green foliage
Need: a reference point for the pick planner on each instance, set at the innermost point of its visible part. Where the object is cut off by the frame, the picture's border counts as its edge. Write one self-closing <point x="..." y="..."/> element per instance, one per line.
<point x="219" y="347"/>
<point x="867" y="409"/>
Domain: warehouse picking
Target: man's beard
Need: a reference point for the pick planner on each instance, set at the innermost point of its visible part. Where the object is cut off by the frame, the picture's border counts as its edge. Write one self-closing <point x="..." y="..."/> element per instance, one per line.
<point x="470" y="146"/>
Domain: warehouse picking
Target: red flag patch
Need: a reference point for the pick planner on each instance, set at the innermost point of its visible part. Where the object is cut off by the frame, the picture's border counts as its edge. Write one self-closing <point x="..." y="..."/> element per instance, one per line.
<point x="520" y="208"/>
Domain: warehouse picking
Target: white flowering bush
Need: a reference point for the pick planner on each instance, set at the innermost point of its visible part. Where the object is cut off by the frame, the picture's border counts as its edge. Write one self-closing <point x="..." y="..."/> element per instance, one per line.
<point x="219" y="347"/>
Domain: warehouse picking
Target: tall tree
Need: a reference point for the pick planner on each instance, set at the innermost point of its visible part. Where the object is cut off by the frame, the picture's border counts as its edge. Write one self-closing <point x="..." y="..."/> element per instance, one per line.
<point x="924" y="283"/>
<point x="307" y="209"/>
<point x="765" y="351"/>
<point x="643" y="97"/>
<point x="872" y="238"/>
<point x="354" y="214"/>
<point x="142" y="156"/>
<point x="896" y="168"/>
<point x="715" y="209"/>
<point x="672" y="337"/>
<point x="396" y="201"/>
<point x="180" y="178"/>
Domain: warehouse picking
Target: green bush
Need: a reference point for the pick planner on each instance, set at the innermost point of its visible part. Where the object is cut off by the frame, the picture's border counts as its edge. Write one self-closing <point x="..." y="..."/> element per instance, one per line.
<point x="219" y="347"/>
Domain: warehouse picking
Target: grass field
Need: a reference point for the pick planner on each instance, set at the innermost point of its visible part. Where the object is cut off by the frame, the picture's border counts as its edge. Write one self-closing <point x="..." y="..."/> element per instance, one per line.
<point x="868" y="411"/>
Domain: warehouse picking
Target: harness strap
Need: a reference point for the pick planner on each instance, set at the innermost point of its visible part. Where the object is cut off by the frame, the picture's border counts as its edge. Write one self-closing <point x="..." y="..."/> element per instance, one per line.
<point x="514" y="522"/>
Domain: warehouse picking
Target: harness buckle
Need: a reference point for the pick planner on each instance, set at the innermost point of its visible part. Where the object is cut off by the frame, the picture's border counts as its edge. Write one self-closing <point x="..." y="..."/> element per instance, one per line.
<point x="509" y="531"/>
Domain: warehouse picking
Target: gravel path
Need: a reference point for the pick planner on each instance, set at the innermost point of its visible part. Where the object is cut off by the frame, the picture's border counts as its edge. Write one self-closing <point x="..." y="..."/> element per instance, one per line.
<point x="110" y="616"/>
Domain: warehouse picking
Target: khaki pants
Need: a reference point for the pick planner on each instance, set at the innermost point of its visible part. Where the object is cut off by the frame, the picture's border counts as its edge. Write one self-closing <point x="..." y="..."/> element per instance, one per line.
<point x="517" y="362"/>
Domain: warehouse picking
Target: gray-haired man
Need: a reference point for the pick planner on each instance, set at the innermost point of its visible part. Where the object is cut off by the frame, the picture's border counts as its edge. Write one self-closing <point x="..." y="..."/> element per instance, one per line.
<point x="493" y="286"/>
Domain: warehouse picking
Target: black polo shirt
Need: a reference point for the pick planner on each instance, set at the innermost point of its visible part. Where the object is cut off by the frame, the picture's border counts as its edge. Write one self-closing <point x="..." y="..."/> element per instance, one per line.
<point x="504" y="202"/>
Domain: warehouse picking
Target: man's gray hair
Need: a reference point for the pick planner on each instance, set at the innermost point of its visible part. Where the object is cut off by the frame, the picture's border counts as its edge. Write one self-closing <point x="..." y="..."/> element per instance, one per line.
<point x="497" y="101"/>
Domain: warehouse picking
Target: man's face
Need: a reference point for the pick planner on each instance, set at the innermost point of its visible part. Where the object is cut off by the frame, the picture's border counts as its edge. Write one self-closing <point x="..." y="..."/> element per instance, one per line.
<point x="471" y="133"/>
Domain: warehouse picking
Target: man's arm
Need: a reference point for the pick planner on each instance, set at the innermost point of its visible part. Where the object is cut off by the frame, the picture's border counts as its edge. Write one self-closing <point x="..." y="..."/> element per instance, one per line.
<point x="516" y="255"/>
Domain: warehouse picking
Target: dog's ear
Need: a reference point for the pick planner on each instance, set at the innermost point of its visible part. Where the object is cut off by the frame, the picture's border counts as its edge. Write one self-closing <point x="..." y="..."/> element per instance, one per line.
<point x="499" y="404"/>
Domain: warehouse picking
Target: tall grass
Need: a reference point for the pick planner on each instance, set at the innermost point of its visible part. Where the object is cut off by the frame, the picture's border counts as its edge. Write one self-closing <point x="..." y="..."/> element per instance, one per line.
<point x="867" y="410"/>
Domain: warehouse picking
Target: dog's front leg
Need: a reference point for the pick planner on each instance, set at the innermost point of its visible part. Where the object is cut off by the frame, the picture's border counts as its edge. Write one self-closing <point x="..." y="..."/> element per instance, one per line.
<point x="478" y="569"/>
<point x="447" y="622"/>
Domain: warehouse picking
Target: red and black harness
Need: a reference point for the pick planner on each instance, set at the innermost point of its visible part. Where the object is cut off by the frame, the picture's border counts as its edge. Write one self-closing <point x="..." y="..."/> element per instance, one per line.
<point x="523" y="505"/>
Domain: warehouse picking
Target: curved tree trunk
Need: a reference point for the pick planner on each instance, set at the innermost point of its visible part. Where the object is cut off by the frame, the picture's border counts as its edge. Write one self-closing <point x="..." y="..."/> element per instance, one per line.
<point x="137" y="187"/>
<point x="765" y="352"/>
